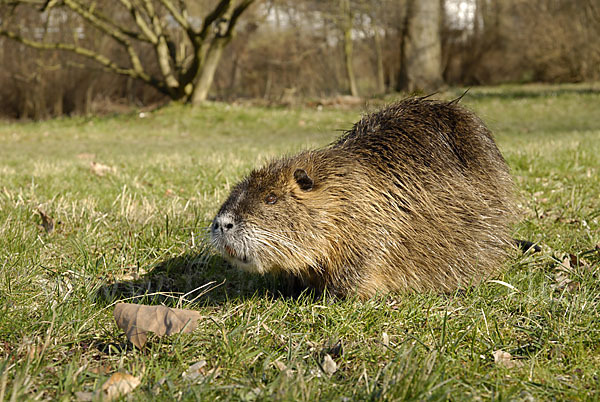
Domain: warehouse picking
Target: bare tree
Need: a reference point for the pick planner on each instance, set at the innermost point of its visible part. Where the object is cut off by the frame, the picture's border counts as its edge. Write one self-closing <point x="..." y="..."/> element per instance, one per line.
<point x="421" y="50"/>
<point x="346" y="17"/>
<point x="186" y="54"/>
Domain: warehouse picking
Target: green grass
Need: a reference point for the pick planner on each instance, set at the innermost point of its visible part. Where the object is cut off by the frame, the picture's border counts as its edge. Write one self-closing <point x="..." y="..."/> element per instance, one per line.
<point x="137" y="232"/>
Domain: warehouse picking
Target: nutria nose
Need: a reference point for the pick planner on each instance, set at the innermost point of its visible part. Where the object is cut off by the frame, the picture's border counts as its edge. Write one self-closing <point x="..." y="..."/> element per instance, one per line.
<point x="224" y="222"/>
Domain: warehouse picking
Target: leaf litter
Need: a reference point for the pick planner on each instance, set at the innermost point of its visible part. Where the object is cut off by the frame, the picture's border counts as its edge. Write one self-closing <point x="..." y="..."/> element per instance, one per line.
<point x="118" y="385"/>
<point x="137" y="320"/>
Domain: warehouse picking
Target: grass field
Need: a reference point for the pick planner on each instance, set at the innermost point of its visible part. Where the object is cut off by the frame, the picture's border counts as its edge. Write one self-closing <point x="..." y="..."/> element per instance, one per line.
<point x="133" y="229"/>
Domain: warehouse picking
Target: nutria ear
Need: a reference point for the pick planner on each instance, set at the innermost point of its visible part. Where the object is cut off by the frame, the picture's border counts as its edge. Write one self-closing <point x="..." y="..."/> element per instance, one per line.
<point x="303" y="180"/>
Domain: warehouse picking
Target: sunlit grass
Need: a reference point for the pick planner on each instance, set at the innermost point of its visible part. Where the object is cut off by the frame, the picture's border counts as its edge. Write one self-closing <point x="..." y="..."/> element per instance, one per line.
<point x="138" y="231"/>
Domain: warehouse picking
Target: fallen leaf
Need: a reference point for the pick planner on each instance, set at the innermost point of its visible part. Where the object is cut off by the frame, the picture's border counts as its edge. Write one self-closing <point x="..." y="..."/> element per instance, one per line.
<point x="562" y="274"/>
<point x="505" y="359"/>
<point x="329" y="365"/>
<point x="119" y="384"/>
<point x="158" y="386"/>
<point x="84" y="396"/>
<point x="334" y="350"/>
<point x="47" y="221"/>
<point x="99" y="169"/>
<point x="281" y="366"/>
<point x="385" y="339"/>
<point x="194" y="371"/>
<point x="102" y="370"/>
<point x="137" y="320"/>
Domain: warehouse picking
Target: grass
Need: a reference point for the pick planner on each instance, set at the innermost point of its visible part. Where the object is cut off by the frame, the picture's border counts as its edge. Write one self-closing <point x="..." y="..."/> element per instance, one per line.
<point x="137" y="231"/>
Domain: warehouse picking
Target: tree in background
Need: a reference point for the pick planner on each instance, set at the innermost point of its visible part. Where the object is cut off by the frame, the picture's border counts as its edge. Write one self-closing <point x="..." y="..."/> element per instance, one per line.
<point x="285" y="51"/>
<point x="421" y="50"/>
<point x="346" y="17"/>
<point x="186" y="51"/>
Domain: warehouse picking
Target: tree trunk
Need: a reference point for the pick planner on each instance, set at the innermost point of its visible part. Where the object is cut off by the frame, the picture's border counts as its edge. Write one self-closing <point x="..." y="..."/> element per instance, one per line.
<point x="379" y="56"/>
<point x="421" y="52"/>
<point x="209" y="67"/>
<point x="347" y="28"/>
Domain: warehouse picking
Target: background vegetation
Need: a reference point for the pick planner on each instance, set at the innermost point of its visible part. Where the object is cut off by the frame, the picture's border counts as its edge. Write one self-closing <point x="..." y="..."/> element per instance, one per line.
<point x="288" y="51"/>
<point x="132" y="225"/>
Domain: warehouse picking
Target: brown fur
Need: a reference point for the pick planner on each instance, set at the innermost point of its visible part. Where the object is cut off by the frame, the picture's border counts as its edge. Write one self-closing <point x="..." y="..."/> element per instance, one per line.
<point x="414" y="197"/>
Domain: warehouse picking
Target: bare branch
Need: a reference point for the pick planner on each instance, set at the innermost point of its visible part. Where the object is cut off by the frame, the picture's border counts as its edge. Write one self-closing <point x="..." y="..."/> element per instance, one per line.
<point x="91" y="55"/>
<point x="140" y="22"/>
<point x="119" y="36"/>
<point x="178" y="16"/>
<point x="161" y="47"/>
<point x="217" y="13"/>
<point x="132" y="34"/>
<point x="239" y="10"/>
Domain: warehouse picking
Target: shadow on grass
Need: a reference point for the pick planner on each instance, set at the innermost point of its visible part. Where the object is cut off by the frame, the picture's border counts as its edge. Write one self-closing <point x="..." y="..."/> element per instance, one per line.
<point x="202" y="278"/>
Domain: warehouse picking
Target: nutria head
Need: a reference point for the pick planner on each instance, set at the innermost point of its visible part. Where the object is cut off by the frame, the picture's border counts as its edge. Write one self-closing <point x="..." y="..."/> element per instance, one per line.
<point x="274" y="220"/>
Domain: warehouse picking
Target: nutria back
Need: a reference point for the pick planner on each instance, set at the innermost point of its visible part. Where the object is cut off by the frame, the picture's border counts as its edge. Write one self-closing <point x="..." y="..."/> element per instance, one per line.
<point x="415" y="197"/>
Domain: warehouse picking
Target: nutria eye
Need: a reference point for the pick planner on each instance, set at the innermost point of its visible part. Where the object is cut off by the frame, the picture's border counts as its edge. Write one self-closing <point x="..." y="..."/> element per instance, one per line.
<point x="271" y="199"/>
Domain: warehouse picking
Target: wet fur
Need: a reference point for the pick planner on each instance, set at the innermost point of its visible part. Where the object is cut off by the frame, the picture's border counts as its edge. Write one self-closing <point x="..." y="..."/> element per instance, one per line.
<point x="415" y="197"/>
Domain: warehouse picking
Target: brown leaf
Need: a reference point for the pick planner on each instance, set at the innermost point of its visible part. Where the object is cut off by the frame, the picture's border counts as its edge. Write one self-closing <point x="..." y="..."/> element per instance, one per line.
<point x="329" y="365"/>
<point x="334" y="350"/>
<point x="119" y="384"/>
<point x="385" y="339"/>
<point x="280" y="365"/>
<point x="195" y="370"/>
<point x="283" y="368"/>
<point x="47" y="221"/>
<point x="99" y="169"/>
<point x="84" y="396"/>
<point x="136" y="320"/>
<point x="505" y="359"/>
<point x="562" y="274"/>
<point x="102" y="369"/>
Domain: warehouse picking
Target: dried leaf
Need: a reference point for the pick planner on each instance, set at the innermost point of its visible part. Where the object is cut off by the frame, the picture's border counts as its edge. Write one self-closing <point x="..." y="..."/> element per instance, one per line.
<point x="329" y="365"/>
<point x="47" y="221"/>
<point x="156" y="389"/>
<point x="562" y="273"/>
<point x="99" y="169"/>
<point x="136" y="320"/>
<point x="335" y="350"/>
<point x="119" y="384"/>
<point x="281" y="366"/>
<point x="84" y="396"/>
<point x="505" y="359"/>
<point x="195" y="370"/>
<point x="385" y="339"/>
<point x="102" y="370"/>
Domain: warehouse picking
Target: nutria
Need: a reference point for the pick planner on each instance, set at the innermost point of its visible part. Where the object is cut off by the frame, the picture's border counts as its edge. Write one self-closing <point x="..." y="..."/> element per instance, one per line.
<point x="414" y="197"/>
